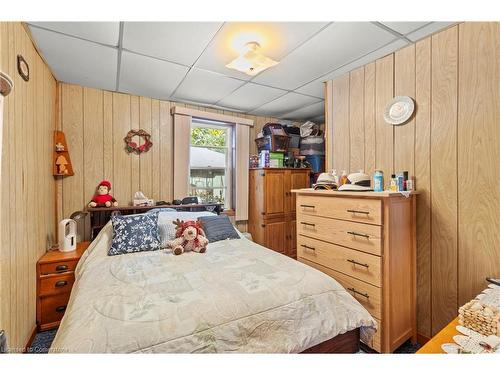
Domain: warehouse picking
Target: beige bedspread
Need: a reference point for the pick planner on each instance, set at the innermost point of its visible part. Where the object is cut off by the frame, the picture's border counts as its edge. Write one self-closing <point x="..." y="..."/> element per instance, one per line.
<point x="237" y="297"/>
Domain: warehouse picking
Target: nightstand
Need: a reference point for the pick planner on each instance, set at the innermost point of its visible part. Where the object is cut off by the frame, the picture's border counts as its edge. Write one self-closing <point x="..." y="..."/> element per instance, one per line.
<point x="55" y="277"/>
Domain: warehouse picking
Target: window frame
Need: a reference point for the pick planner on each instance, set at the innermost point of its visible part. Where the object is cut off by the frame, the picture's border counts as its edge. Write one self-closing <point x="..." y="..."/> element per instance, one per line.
<point x="230" y="181"/>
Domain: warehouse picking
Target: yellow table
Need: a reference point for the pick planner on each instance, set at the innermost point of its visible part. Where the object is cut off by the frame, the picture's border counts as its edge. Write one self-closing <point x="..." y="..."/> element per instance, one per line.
<point x="445" y="336"/>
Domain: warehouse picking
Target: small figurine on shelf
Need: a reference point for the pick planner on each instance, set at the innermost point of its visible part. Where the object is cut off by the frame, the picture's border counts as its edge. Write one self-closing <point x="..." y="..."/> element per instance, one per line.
<point x="102" y="198"/>
<point x="60" y="147"/>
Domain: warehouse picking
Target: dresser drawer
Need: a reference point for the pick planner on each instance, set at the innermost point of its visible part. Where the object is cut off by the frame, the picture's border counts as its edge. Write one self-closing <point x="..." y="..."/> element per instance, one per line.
<point x="56" y="284"/>
<point x="362" y="266"/>
<point x="367" y="295"/>
<point x="345" y="208"/>
<point x="52" y="307"/>
<point x="375" y="343"/>
<point x="58" y="267"/>
<point x="358" y="236"/>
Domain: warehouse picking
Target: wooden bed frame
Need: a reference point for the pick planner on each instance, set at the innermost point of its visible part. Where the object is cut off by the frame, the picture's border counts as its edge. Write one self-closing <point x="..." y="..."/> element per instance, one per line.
<point x="344" y="343"/>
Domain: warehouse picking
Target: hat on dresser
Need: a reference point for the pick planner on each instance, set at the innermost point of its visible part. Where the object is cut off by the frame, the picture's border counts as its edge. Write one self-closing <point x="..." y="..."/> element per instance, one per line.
<point x="357" y="182"/>
<point x="325" y="181"/>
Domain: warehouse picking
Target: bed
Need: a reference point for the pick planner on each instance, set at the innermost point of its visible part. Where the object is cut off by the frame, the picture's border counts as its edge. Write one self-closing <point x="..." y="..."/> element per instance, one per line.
<point x="236" y="297"/>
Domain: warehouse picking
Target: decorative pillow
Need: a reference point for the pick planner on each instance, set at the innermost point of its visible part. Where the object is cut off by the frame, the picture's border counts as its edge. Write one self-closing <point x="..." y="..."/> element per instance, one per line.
<point x="218" y="228"/>
<point x="134" y="233"/>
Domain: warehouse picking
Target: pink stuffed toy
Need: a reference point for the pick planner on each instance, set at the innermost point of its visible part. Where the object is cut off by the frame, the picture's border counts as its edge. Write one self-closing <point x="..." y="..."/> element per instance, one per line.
<point x="189" y="237"/>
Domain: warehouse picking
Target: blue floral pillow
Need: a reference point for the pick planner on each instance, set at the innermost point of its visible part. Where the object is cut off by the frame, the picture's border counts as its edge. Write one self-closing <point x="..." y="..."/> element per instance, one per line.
<point x="134" y="233"/>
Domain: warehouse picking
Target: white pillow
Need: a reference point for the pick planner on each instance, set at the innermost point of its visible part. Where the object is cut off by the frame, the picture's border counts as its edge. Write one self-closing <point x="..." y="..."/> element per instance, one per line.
<point x="166" y="227"/>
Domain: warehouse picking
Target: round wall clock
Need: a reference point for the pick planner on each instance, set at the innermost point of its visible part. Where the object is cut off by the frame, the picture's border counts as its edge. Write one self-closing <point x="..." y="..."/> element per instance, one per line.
<point x="399" y="110"/>
<point x="23" y="68"/>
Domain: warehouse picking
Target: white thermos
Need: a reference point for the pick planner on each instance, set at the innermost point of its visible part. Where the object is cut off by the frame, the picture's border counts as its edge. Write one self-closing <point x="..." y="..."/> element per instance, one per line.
<point x="67" y="235"/>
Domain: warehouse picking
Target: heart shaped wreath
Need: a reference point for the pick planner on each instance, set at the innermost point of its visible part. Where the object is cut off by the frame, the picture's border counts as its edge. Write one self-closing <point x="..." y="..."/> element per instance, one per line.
<point x="138" y="148"/>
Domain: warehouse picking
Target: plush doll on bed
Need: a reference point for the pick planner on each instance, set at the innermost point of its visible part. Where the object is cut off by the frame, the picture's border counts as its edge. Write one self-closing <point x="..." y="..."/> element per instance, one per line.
<point x="189" y="237"/>
<point x="102" y="198"/>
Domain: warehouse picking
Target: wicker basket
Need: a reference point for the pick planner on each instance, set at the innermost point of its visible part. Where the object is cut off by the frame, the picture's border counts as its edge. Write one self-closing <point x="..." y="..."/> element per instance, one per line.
<point x="480" y="317"/>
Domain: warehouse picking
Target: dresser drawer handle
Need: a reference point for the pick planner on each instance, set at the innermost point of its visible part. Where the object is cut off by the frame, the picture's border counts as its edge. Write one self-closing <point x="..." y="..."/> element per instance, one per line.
<point x="61" y="268"/>
<point x="358" y="212"/>
<point x="307" y="206"/>
<point x="61" y="283"/>
<point x="310" y="224"/>
<point x="308" y="247"/>
<point x="61" y="308"/>
<point x="359" y="234"/>
<point x="361" y="294"/>
<point x="357" y="263"/>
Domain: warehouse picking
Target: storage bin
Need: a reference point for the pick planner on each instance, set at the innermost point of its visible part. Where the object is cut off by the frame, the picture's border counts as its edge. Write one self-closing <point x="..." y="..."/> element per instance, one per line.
<point x="317" y="163"/>
<point x="272" y="143"/>
<point x="312" y="145"/>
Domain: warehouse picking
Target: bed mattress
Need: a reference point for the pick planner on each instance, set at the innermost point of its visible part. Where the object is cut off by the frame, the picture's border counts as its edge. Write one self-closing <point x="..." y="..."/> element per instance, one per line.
<point x="236" y="297"/>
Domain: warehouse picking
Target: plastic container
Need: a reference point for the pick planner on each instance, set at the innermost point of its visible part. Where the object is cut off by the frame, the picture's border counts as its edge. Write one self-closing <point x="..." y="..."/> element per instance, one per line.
<point x="272" y="143"/>
<point x="378" y="181"/>
<point x="312" y="145"/>
<point x="317" y="163"/>
<point x="276" y="159"/>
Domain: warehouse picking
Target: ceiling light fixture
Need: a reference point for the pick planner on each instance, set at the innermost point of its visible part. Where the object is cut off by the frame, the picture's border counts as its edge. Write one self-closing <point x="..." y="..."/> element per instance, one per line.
<point x="251" y="61"/>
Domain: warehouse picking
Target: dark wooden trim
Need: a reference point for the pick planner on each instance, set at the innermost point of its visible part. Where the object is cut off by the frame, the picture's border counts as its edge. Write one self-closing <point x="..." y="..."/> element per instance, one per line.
<point x="344" y="343"/>
<point x="422" y="339"/>
<point x="30" y="340"/>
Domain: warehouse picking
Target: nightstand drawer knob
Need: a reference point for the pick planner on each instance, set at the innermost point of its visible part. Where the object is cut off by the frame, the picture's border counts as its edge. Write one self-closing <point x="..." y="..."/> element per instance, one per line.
<point x="61" y="308"/>
<point x="61" y="283"/>
<point x="61" y="268"/>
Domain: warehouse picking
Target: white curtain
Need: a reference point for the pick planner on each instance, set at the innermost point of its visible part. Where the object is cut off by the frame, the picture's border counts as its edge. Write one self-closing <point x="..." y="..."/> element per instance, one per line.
<point x="242" y="155"/>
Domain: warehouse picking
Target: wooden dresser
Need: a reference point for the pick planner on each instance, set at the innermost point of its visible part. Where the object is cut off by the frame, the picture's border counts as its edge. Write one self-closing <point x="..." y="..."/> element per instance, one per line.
<point x="365" y="241"/>
<point x="271" y="211"/>
<point x="55" y="277"/>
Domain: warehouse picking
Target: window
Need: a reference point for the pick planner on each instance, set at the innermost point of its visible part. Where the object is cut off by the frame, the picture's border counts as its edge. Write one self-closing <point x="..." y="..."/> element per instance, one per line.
<point x="211" y="161"/>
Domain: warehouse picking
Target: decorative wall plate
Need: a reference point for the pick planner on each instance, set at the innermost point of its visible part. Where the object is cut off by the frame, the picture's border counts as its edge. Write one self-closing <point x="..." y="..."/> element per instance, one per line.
<point x="23" y="68"/>
<point x="399" y="110"/>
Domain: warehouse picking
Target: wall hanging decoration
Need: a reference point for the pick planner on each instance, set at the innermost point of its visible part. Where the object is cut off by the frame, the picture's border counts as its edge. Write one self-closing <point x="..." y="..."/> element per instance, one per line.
<point x="6" y="84"/>
<point x="399" y="110"/>
<point x="23" y="68"/>
<point x="137" y="141"/>
<point x="61" y="160"/>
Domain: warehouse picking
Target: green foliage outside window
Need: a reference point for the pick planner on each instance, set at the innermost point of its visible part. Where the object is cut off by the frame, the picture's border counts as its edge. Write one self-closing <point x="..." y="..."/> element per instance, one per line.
<point x="208" y="137"/>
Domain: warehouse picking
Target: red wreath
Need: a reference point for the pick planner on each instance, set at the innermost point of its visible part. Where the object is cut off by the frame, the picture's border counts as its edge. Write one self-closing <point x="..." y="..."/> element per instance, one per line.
<point x="131" y="146"/>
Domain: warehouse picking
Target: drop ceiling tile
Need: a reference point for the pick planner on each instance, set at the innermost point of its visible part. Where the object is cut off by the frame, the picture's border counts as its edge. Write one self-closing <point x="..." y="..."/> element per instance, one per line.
<point x="307" y="113"/>
<point x="316" y="87"/>
<point x="77" y="61"/>
<point x="428" y="30"/>
<point x="275" y="38"/>
<point x="285" y="104"/>
<point x="180" y="42"/>
<point x="141" y="75"/>
<point x="404" y="27"/>
<point x="101" y="32"/>
<point x="337" y="45"/>
<point x="202" y="86"/>
<point x="250" y="96"/>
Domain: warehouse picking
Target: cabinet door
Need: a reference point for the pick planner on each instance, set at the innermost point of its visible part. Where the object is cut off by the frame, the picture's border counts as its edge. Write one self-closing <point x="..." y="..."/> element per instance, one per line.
<point x="291" y="248"/>
<point x="297" y="179"/>
<point x="275" y="186"/>
<point x="275" y="236"/>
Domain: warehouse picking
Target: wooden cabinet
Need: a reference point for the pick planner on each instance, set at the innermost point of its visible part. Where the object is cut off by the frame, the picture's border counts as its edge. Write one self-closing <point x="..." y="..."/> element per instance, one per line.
<point x="272" y="207"/>
<point x="365" y="241"/>
<point x="55" y="278"/>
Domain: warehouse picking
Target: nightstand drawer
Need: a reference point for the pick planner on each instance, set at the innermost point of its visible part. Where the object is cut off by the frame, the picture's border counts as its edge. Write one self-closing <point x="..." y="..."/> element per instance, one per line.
<point x="57" y="284"/>
<point x="53" y="307"/>
<point x="58" y="267"/>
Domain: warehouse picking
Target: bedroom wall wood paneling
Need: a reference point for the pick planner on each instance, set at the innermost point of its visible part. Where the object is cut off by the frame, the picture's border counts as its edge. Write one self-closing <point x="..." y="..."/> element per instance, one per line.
<point x="95" y="123"/>
<point x="27" y="185"/>
<point x="450" y="147"/>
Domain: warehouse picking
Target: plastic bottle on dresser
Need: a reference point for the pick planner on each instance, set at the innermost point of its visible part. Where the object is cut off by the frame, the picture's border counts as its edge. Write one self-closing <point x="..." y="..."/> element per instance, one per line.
<point x="378" y="181"/>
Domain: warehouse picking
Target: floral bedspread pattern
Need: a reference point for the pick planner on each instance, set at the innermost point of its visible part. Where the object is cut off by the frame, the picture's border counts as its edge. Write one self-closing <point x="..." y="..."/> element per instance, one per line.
<point x="237" y="297"/>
